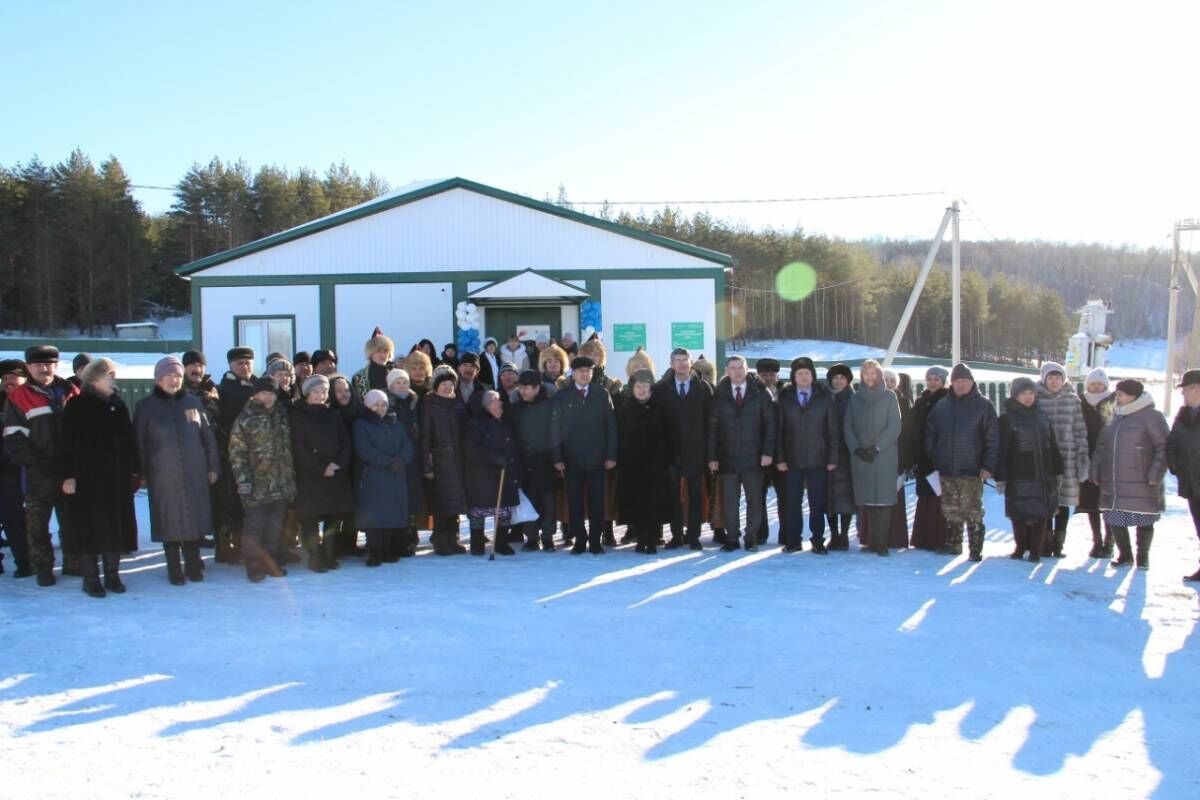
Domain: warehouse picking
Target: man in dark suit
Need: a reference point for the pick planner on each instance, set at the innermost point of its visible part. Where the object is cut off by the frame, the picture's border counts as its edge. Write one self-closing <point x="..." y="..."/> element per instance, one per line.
<point x="688" y="401"/>
<point x="583" y="433"/>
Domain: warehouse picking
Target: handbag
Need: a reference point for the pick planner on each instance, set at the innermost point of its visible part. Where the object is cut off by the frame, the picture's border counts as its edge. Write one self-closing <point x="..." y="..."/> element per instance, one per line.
<point x="523" y="511"/>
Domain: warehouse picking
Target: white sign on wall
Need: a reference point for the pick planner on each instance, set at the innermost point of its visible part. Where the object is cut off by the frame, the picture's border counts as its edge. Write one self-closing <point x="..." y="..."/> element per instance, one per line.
<point x="531" y="332"/>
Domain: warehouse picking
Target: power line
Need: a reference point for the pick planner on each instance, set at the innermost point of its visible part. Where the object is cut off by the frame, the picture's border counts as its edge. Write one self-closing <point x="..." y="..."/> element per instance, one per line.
<point x="816" y="199"/>
<point x="976" y="217"/>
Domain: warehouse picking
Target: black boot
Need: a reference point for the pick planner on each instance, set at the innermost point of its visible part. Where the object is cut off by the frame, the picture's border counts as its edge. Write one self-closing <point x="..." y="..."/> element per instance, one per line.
<point x="1107" y="550"/>
<point x="112" y="573"/>
<point x="375" y="545"/>
<point x="1194" y="577"/>
<point x="608" y="539"/>
<point x="174" y="568"/>
<point x="1145" y="535"/>
<point x="316" y="553"/>
<point x="953" y="545"/>
<point x="390" y="550"/>
<point x="975" y="542"/>
<point x="193" y="565"/>
<point x="531" y="542"/>
<point x="502" y="547"/>
<point x="818" y="545"/>
<point x="1020" y="541"/>
<point x="1060" y="538"/>
<point x="329" y="550"/>
<point x="477" y="540"/>
<point x="1124" y="550"/>
<point x="91" y="575"/>
<point x="718" y="535"/>
<point x="1034" y="532"/>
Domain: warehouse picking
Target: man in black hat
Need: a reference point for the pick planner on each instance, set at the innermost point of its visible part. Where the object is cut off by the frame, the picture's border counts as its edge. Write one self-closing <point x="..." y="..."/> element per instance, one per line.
<point x="687" y="399"/>
<point x="470" y="391"/>
<point x="531" y="410"/>
<point x="13" y="375"/>
<point x="80" y="361"/>
<point x="237" y="387"/>
<point x="324" y="362"/>
<point x="33" y="439"/>
<point x="583" y="431"/>
<point x="302" y="363"/>
<point x="1183" y="450"/>
<point x="809" y="435"/>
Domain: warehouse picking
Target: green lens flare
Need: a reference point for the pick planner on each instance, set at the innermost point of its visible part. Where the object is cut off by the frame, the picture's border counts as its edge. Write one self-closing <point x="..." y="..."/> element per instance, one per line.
<point x="795" y="281"/>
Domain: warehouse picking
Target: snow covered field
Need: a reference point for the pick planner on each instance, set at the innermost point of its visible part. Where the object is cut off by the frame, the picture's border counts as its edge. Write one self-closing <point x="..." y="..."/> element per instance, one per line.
<point x="681" y="675"/>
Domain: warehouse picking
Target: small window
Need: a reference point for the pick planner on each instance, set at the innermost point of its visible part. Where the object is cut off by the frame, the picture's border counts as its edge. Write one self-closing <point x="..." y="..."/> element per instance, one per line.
<point x="267" y="335"/>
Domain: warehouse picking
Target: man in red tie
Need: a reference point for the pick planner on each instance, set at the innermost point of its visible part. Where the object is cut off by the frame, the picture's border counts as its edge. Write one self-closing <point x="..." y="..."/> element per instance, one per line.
<point x="741" y="442"/>
<point x="583" y="433"/>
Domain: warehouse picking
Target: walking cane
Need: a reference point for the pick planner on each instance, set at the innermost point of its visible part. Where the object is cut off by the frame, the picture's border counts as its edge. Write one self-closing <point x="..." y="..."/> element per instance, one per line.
<point x="496" y="527"/>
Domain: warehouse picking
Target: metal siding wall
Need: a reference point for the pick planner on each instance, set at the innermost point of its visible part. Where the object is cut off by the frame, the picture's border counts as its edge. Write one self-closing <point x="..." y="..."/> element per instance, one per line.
<point x="658" y="303"/>
<point x="456" y="230"/>
<point x="220" y="304"/>
<point x="407" y="313"/>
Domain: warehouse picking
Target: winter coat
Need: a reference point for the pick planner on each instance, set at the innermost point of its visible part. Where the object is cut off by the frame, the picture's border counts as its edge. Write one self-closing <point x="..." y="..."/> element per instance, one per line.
<point x="491" y="446"/>
<point x="583" y="433"/>
<point x="688" y="418"/>
<point x="371" y="376"/>
<point x="473" y="405"/>
<point x="442" y="422"/>
<point x="33" y="434"/>
<point x="916" y="424"/>
<point x="381" y="494"/>
<point x="873" y="421"/>
<point x="841" y="482"/>
<point x="489" y="373"/>
<point x="407" y="411"/>
<point x="177" y="448"/>
<point x="1095" y="417"/>
<point x="531" y="421"/>
<point x="1183" y="451"/>
<point x="738" y="439"/>
<point x="808" y="436"/>
<point x="233" y="394"/>
<point x="320" y="438"/>
<point x="101" y="454"/>
<point x="1063" y="409"/>
<point x="961" y="435"/>
<point x="518" y="358"/>
<point x="1130" y="456"/>
<point x="260" y="454"/>
<point x="647" y="450"/>
<point x="1028" y="463"/>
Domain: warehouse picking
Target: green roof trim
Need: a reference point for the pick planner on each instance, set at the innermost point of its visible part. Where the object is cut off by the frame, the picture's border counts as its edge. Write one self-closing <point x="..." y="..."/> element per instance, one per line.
<point x="422" y="192"/>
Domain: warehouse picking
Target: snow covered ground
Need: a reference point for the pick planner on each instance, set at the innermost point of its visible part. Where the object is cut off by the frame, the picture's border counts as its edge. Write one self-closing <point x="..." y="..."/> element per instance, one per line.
<point x="679" y="675"/>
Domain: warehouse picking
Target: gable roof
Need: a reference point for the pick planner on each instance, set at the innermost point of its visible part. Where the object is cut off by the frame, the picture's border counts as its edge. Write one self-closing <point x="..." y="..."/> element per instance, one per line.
<point x="528" y="285"/>
<point x="418" y="191"/>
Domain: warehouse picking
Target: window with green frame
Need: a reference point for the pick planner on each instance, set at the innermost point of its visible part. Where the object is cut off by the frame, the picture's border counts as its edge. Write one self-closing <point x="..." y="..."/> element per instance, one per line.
<point x="266" y="334"/>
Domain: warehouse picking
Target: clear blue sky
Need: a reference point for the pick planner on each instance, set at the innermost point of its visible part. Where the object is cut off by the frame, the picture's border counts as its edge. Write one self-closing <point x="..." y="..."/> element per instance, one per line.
<point x="1053" y="120"/>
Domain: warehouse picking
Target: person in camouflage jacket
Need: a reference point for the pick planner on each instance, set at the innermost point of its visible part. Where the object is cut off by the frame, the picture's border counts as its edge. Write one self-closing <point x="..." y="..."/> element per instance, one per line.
<point x="260" y="459"/>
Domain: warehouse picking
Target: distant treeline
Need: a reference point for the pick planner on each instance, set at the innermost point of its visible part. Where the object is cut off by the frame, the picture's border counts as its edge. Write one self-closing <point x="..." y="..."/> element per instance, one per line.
<point x="77" y="250"/>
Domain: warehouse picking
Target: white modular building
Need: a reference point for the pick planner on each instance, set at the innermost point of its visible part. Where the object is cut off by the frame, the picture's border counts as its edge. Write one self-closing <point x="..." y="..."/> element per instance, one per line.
<point x="454" y="260"/>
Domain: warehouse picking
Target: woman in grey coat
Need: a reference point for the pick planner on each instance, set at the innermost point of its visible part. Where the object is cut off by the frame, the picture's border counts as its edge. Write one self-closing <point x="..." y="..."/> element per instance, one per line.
<point x="180" y="461"/>
<point x="1058" y="399"/>
<point x="872" y="431"/>
<point x="1129" y="465"/>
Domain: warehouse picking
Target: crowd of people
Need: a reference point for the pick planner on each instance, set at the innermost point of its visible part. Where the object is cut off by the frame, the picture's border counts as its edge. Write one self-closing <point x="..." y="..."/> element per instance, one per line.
<point x="539" y="437"/>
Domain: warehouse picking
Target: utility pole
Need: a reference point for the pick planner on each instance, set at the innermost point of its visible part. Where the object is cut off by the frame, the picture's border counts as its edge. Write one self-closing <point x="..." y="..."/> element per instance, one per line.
<point x="955" y="289"/>
<point x="902" y="325"/>
<point x="1173" y="289"/>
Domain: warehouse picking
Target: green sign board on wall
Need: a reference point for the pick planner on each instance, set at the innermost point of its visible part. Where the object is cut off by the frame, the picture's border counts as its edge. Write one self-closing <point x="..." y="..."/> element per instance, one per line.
<point x="628" y="337"/>
<point x="687" y="334"/>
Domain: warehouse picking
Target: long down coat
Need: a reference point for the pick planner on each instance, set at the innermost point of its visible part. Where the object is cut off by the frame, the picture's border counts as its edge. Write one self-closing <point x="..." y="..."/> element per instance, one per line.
<point x="1131" y="459"/>
<point x="442" y="421"/>
<point x="320" y="438"/>
<point x="841" y="482"/>
<point x="647" y="450"/>
<point x="873" y="420"/>
<point x="1183" y="451"/>
<point x="1066" y="415"/>
<point x="381" y="493"/>
<point x="491" y="452"/>
<point x="1028" y="463"/>
<point x="101" y="455"/>
<point x="177" y="447"/>
<point x="1095" y="417"/>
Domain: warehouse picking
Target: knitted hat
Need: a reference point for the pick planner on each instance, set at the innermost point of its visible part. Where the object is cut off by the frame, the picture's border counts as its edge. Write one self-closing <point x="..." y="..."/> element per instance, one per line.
<point x="839" y="369"/>
<point x="280" y="365"/>
<point x="41" y="354"/>
<point x="767" y="365"/>
<point x="194" y="357"/>
<point x="167" y="366"/>
<point x="1052" y="366"/>
<point x="1131" y="387"/>
<point x="939" y="372"/>
<point x="642" y="376"/>
<point x="97" y="369"/>
<point x="378" y="343"/>
<point x="961" y="370"/>
<point x="1022" y="383"/>
<point x="396" y="374"/>
<point x="239" y="353"/>
<point x="542" y="338"/>
<point x="374" y="397"/>
<point x="800" y="362"/>
<point x="80" y="361"/>
<point x="1098" y="375"/>
<point x="262" y="384"/>
<point x="14" y="366"/>
<point x="312" y="382"/>
<point x="441" y="375"/>
<point x="508" y="366"/>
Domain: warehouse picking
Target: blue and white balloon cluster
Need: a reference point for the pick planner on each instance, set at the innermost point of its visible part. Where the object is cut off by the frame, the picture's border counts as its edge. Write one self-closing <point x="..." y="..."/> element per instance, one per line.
<point x="590" y="320"/>
<point x="467" y="316"/>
